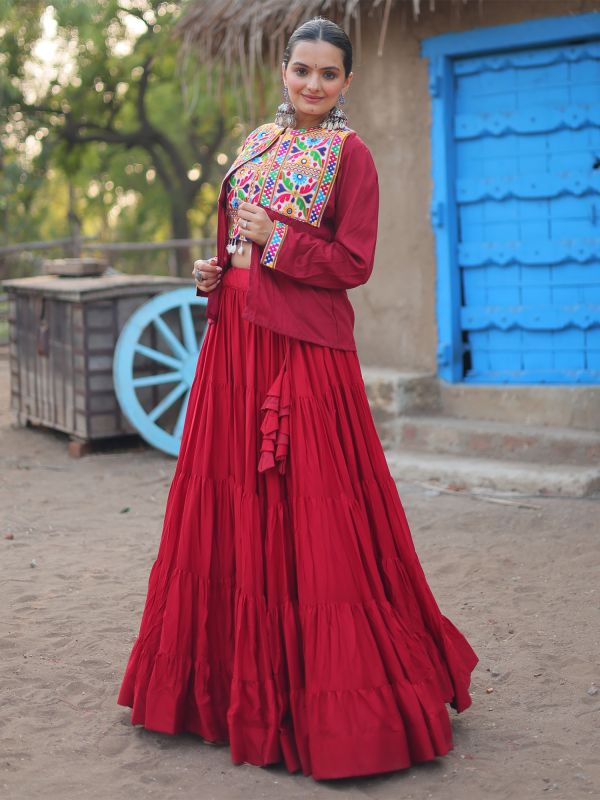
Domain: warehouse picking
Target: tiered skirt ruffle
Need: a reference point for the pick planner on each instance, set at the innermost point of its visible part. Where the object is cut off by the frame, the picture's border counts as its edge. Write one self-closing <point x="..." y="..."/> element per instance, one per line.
<point x="287" y="612"/>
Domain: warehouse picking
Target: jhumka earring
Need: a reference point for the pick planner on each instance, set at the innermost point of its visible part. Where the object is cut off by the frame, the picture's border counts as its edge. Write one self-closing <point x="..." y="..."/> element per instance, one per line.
<point x="336" y="118"/>
<point x="286" y="113"/>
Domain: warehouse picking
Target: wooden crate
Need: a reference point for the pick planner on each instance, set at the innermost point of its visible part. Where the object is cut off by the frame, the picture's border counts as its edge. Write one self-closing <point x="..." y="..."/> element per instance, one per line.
<point x="62" y="337"/>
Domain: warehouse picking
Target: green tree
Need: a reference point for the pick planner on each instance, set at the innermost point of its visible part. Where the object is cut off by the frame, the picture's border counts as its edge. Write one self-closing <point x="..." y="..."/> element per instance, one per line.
<point x="97" y="130"/>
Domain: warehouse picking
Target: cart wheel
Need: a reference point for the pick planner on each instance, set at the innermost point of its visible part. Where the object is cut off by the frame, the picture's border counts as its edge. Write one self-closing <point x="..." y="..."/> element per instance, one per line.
<point x="162" y="333"/>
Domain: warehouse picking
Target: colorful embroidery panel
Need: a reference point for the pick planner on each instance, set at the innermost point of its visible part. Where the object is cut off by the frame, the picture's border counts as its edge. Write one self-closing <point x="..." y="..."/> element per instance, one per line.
<point x="293" y="177"/>
<point x="255" y="143"/>
<point x="304" y="169"/>
<point x="245" y="185"/>
<point x="273" y="244"/>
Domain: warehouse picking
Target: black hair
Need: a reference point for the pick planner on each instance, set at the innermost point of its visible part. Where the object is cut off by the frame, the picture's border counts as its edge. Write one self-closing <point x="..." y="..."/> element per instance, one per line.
<point x="323" y="29"/>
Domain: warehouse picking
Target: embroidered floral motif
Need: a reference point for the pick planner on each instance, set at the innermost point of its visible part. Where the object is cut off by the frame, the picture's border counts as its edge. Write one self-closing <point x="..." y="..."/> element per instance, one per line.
<point x="273" y="244"/>
<point x="245" y="185"/>
<point x="293" y="178"/>
<point x="304" y="169"/>
<point x="255" y="143"/>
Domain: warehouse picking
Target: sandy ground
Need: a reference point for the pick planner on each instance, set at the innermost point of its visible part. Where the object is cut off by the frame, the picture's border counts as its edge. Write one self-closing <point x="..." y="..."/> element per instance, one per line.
<point x="521" y="583"/>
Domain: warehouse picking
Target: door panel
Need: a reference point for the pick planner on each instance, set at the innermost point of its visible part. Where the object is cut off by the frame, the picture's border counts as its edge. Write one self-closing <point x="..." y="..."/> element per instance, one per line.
<point x="527" y="163"/>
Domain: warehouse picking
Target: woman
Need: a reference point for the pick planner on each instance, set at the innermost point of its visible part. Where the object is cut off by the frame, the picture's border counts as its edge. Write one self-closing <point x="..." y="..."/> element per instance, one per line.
<point x="287" y="612"/>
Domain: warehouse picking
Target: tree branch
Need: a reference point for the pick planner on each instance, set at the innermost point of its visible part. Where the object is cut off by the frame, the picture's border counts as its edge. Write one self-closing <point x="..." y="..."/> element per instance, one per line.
<point x="143" y="88"/>
<point x="216" y="141"/>
<point x="161" y="169"/>
<point x="156" y="135"/>
<point x="74" y="133"/>
<point x="134" y="13"/>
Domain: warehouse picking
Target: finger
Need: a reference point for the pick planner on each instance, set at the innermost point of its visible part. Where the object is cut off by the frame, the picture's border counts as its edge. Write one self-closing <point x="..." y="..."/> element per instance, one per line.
<point x="207" y="286"/>
<point x="204" y="285"/>
<point x="201" y="263"/>
<point x="209" y="270"/>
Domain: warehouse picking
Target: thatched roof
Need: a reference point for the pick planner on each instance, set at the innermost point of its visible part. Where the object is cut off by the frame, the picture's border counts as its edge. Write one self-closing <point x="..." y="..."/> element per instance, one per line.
<point x="245" y="31"/>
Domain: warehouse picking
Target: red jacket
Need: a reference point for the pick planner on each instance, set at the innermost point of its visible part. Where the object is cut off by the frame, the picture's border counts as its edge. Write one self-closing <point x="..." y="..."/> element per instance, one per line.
<point x="324" y="236"/>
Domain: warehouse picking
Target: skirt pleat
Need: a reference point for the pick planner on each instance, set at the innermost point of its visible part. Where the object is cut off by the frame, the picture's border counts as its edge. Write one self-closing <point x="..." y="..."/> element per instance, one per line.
<point x="287" y="612"/>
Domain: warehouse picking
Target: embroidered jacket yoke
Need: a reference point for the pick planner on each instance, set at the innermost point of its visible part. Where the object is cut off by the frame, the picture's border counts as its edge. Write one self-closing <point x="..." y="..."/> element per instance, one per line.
<point x="320" y="188"/>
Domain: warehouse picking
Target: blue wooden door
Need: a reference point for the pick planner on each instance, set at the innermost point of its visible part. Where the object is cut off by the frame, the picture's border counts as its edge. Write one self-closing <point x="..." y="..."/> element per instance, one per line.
<point x="526" y="129"/>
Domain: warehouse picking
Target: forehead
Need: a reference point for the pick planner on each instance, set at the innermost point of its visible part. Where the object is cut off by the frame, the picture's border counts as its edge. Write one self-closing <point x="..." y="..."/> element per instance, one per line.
<point x="323" y="54"/>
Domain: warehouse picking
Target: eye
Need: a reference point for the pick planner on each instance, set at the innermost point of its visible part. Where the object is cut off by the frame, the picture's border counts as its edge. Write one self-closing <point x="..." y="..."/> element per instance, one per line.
<point x="330" y="76"/>
<point x="299" y="70"/>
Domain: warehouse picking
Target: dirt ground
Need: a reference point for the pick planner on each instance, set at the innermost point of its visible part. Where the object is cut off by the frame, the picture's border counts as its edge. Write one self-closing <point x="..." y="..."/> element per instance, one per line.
<point x="521" y="583"/>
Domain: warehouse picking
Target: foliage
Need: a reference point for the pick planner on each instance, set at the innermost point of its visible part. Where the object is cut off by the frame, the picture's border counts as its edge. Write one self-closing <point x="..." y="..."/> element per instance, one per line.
<point x="97" y="133"/>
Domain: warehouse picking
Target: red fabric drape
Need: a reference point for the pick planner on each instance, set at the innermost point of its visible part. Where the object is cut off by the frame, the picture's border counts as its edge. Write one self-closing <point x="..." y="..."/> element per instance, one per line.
<point x="287" y="612"/>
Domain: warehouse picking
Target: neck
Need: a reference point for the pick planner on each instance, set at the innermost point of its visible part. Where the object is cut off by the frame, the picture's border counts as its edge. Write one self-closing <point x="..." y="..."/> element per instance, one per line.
<point x="309" y="122"/>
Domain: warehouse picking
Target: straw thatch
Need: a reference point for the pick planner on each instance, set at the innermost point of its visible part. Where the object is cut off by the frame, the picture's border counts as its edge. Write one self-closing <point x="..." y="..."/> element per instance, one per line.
<point x="235" y="39"/>
<point x="245" y="31"/>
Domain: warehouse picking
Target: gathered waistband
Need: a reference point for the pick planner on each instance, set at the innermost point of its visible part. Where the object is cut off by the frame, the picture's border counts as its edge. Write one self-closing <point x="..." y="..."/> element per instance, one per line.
<point x="236" y="278"/>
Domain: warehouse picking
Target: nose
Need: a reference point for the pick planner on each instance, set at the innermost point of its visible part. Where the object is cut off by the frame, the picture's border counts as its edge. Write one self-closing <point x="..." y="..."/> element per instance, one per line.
<point x="314" y="84"/>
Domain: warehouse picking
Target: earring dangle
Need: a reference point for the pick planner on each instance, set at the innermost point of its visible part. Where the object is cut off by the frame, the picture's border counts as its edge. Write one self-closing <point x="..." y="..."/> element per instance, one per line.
<point x="336" y="119"/>
<point x="286" y="113"/>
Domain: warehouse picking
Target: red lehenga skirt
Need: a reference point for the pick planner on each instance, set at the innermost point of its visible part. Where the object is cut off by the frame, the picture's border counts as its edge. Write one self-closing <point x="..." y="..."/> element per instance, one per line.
<point x="287" y="612"/>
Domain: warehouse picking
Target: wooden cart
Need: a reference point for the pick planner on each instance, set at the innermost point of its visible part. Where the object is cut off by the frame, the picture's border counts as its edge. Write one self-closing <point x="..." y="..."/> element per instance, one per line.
<point x="63" y="332"/>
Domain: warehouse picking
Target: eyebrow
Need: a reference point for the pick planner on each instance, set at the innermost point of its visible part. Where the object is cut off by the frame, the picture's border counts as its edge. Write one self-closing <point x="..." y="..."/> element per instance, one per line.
<point x="301" y="64"/>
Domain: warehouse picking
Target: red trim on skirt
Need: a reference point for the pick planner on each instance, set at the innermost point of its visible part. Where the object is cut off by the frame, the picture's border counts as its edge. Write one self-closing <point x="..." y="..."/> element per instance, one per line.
<point x="287" y="612"/>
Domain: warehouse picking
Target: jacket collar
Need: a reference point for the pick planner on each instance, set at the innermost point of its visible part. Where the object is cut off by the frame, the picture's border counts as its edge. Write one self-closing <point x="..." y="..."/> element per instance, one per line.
<point x="258" y="141"/>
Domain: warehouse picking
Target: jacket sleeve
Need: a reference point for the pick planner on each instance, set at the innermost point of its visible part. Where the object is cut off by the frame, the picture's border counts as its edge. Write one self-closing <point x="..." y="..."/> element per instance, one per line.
<point x="347" y="260"/>
<point x="200" y="293"/>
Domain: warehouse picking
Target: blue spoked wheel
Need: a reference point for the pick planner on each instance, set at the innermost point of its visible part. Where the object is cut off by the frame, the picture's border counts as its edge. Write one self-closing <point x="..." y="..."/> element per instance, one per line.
<point x="155" y="363"/>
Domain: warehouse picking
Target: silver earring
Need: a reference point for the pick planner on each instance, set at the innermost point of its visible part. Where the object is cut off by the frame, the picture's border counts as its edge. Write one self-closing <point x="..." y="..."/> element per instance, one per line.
<point x="286" y="113"/>
<point x="336" y="119"/>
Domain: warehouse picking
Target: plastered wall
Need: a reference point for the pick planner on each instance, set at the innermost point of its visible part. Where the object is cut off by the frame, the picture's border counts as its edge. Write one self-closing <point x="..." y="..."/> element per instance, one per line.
<point x="389" y="106"/>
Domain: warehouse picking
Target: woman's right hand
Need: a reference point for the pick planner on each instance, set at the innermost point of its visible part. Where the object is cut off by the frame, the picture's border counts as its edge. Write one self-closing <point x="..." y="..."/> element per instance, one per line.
<point x="207" y="274"/>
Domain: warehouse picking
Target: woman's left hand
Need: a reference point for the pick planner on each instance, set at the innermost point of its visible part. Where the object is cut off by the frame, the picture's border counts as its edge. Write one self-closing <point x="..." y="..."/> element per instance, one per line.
<point x="254" y="223"/>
